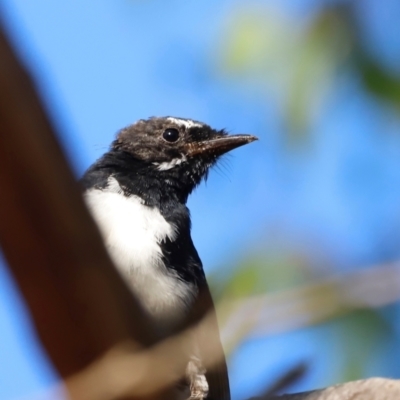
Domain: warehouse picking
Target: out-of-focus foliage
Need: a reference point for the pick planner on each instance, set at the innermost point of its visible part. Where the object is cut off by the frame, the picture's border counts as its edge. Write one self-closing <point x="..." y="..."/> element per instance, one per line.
<point x="360" y="335"/>
<point x="260" y="274"/>
<point x="300" y="61"/>
<point x="265" y="297"/>
<point x="297" y="64"/>
<point x="256" y="275"/>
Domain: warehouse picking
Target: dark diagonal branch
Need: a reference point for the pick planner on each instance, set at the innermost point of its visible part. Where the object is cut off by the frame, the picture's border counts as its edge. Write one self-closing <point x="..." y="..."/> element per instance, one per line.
<point x="79" y="304"/>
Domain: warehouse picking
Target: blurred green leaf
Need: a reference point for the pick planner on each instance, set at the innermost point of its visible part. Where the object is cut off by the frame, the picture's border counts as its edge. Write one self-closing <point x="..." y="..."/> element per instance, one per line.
<point x="270" y="49"/>
<point x="379" y="82"/>
<point x="360" y="335"/>
<point x="300" y="63"/>
<point x="261" y="274"/>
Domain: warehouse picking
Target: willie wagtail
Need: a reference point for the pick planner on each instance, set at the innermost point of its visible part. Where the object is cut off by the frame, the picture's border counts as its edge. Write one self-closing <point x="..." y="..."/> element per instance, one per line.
<point x="137" y="193"/>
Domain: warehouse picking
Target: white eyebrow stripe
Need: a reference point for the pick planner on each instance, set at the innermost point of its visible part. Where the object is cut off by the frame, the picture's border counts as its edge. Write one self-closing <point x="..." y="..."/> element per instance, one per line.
<point x="187" y="123"/>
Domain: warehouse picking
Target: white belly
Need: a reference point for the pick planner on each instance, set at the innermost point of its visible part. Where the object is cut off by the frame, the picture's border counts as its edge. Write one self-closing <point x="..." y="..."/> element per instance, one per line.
<point x="132" y="233"/>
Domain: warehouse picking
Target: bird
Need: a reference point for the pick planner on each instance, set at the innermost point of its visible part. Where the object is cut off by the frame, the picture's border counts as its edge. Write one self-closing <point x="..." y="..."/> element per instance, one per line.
<point x="137" y="193"/>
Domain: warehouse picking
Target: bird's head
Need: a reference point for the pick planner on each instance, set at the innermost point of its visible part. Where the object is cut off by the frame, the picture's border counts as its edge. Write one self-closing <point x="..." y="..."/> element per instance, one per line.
<point x="175" y="146"/>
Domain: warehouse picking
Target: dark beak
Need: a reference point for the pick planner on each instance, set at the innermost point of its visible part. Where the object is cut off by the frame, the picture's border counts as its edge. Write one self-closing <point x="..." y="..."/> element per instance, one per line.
<point x="220" y="145"/>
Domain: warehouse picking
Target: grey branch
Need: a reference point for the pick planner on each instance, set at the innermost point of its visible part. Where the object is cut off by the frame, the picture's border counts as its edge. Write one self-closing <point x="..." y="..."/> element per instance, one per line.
<point x="368" y="389"/>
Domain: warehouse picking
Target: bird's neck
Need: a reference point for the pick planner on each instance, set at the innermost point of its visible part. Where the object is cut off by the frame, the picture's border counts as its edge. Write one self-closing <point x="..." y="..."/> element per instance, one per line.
<point x="161" y="189"/>
<point x="119" y="172"/>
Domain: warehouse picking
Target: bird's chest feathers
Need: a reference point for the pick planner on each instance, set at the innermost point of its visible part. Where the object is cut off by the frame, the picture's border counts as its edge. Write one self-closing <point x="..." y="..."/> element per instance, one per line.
<point x="132" y="233"/>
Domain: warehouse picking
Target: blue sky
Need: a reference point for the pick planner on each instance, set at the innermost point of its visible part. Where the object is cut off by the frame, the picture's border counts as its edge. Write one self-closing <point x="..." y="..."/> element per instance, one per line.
<point x="102" y="65"/>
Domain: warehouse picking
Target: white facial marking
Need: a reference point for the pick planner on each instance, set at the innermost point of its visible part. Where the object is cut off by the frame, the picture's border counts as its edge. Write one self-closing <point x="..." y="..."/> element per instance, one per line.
<point x="187" y="123"/>
<point x="166" y="165"/>
<point x="132" y="232"/>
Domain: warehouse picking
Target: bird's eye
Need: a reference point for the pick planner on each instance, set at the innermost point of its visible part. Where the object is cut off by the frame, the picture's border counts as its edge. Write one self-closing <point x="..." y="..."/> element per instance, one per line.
<point x="171" y="135"/>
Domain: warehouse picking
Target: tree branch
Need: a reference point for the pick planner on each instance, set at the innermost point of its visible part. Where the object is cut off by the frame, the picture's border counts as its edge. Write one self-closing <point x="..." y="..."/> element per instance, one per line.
<point x="79" y="304"/>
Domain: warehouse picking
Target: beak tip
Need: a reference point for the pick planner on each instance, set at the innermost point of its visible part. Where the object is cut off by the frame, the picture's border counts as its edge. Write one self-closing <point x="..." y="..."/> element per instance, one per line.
<point x="246" y="139"/>
<point x="234" y="141"/>
<point x="252" y="138"/>
<point x="221" y="145"/>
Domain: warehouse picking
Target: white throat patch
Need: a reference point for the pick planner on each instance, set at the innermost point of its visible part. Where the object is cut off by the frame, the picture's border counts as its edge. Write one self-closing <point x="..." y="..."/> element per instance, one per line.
<point x="132" y="233"/>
